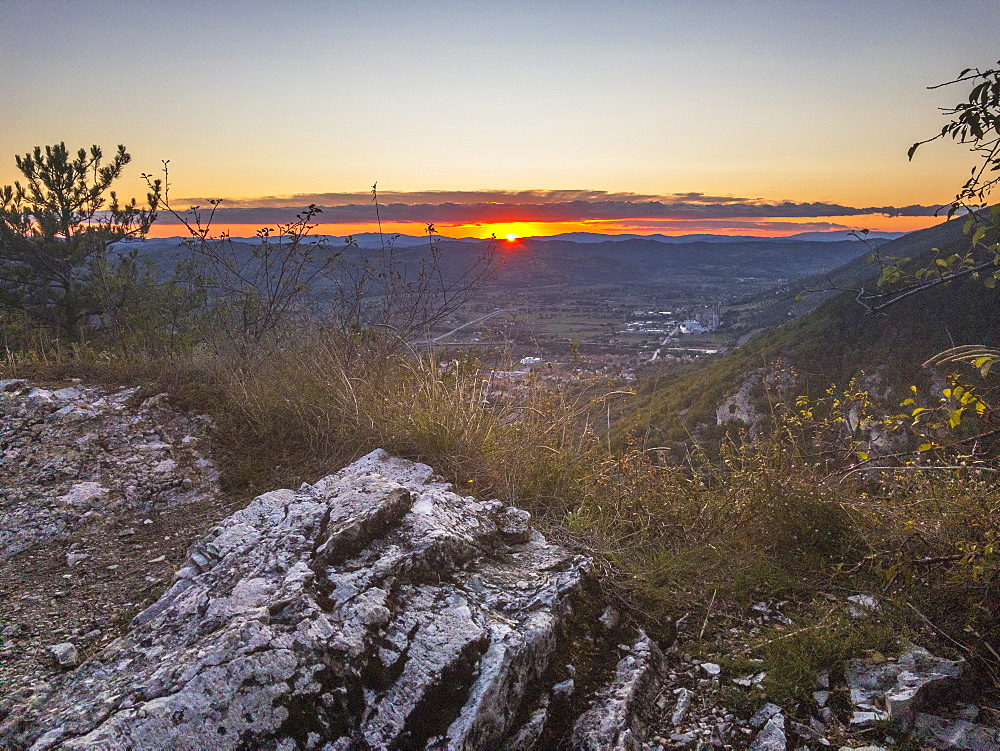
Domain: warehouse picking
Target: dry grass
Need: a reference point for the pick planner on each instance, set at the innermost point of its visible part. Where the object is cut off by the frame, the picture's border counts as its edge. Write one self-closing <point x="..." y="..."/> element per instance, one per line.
<point x="765" y="521"/>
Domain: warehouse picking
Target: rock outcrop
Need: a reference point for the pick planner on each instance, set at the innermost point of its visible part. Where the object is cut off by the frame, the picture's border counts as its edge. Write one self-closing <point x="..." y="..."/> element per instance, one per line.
<point x="920" y="695"/>
<point x="374" y="609"/>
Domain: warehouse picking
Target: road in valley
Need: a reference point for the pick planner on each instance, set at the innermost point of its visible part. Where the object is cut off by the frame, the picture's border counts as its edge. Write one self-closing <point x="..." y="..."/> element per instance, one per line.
<point x="465" y="325"/>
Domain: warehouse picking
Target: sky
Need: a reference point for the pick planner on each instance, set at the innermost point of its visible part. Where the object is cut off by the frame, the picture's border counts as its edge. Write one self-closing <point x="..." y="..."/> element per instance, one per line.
<point x="508" y="117"/>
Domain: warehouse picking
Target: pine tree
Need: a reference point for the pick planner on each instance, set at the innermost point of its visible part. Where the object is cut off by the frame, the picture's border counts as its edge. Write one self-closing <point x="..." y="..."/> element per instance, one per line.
<point x="57" y="232"/>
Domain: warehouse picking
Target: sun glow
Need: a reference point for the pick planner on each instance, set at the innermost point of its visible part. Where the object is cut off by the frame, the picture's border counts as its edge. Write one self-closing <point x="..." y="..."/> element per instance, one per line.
<point x="515" y="231"/>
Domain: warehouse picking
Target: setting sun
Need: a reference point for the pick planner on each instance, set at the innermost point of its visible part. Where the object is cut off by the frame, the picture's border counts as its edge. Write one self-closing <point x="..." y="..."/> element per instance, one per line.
<point x="511" y="237"/>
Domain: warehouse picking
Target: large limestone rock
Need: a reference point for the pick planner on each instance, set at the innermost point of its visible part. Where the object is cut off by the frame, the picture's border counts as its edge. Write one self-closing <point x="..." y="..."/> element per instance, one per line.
<point x="374" y="609"/>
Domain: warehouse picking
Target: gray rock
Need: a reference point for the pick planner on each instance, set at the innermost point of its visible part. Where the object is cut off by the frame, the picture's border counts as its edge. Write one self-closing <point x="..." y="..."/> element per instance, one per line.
<point x="764" y="714"/>
<point x="12" y="629"/>
<point x="529" y="733"/>
<point x="943" y="733"/>
<point x="70" y="464"/>
<point x="922" y="674"/>
<point x="373" y="609"/>
<point x="902" y="686"/>
<point x="684" y="697"/>
<point x="617" y="721"/>
<point x="67" y="393"/>
<point x="81" y="493"/>
<point x="812" y="732"/>
<point x="514" y="525"/>
<point x="684" y="739"/>
<point x="862" y="606"/>
<point x="864" y="719"/>
<point x="819" y="731"/>
<point x="65" y="654"/>
<point x="564" y="689"/>
<point x="750" y="680"/>
<point x="73" y="558"/>
<point x="772" y="736"/>
<point x="609" y="618"/>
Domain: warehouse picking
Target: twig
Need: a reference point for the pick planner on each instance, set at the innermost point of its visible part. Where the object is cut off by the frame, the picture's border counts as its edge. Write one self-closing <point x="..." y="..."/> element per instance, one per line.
<point x="940" y="467"/>
<point x="783" y="636"/>
<point x="707" y="614"/>
<point x="936" y="629"/>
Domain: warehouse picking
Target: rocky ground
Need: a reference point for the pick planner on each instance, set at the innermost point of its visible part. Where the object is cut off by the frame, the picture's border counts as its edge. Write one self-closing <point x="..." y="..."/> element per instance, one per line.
<point x="101" y="494"/>
<point x="374" y="607"/>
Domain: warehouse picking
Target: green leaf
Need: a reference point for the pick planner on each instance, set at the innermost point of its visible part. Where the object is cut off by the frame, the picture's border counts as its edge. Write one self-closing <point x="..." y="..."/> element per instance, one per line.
<point x="955" y="418"/>
<point x="925" y="447"/>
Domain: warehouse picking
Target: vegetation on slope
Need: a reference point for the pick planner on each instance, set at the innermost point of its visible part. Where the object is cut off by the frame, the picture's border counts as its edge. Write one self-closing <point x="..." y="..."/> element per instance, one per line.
<point x="774" y="307"/>
<point x="834" y="344"/>
<point x="769" y="522"/>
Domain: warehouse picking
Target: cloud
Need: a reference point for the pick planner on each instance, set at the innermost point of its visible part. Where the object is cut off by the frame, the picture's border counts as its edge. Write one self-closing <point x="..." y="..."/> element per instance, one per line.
<point x="495" y="206"/>
<point x="435" y="197"/>
<point x="721" y="225"/>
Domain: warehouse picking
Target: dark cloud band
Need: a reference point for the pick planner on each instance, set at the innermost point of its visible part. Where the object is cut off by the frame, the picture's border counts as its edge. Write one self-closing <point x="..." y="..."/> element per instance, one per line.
<point x="695" y="207"/>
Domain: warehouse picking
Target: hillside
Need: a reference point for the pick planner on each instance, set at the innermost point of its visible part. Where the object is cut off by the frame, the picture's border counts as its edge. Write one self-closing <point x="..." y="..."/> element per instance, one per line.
<point x="774" y="307"/>
<point x="833" y="343"/>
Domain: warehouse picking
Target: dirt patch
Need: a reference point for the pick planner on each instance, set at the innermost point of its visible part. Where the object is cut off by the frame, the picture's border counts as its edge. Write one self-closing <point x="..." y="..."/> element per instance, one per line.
<point x="100" y="498"/>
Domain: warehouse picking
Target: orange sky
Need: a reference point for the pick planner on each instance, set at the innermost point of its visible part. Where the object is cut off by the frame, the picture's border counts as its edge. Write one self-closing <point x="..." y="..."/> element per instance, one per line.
<point x="805" y="101"/>
<point x="773" y="228"/>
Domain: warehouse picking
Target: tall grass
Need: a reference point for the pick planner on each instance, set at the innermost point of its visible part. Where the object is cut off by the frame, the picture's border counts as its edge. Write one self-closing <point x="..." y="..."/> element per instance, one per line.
<point x="765" y="521"/>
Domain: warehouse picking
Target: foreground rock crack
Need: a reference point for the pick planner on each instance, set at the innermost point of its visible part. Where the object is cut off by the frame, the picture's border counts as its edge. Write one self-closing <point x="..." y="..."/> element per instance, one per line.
<point x="373" y="609"/>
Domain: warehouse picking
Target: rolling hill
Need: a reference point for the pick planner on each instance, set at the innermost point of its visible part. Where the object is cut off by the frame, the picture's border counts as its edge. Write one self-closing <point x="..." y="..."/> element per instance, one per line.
<point x="835" y="342"/>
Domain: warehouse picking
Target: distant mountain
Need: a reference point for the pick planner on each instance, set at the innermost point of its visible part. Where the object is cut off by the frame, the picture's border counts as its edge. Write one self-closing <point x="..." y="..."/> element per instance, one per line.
<point x="847" y="234"/>
<point x="835" y="236"/>
<point x="597" y="237"/>
<point x="536" y="262"/>
<point x="375" y="240"/>
<point x="363" y="239"/>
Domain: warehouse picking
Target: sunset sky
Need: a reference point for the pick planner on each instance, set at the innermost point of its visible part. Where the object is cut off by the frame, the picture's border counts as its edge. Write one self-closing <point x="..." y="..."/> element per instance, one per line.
<point x="749" y="117"/>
